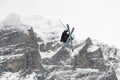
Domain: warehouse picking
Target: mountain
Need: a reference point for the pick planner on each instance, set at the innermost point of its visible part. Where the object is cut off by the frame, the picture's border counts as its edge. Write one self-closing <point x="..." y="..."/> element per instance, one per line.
<point x="47" y="30"/>
<point x="31" y="50"/>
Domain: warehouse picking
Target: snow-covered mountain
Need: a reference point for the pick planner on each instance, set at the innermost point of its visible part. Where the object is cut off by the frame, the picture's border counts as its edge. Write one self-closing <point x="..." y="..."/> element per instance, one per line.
<point x="46" y="29"/>
<point x="31" y="50"/>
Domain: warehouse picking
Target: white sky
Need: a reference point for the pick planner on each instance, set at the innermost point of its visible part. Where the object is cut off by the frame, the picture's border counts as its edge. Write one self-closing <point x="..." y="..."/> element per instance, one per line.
<point x="98" y="19"/>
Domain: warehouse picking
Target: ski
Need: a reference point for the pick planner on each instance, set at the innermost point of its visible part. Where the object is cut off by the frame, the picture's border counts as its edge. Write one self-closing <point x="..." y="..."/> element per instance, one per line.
<point x="62" y="24"/>
<point x="70" y="37"/>
<point x="69" y="41"/>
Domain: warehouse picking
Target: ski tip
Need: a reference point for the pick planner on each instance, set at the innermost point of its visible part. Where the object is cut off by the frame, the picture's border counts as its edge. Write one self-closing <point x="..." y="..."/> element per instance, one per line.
<point x="67" y="25"/>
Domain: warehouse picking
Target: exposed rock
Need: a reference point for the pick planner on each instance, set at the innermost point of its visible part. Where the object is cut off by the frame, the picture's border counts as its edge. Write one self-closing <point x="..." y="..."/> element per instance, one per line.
<point x="89" y="58"/>
<point x="15" y="64"/>
<point x="61" y="55"/>
<point x="88" y="41"/>
<point x="11" y="37"/>
<point x="20" y="44"/>
<point x="53" y="45"/>
<point x="80" y="74"/>
<point x="42" y="47"/>
<point x="20" y="55"/>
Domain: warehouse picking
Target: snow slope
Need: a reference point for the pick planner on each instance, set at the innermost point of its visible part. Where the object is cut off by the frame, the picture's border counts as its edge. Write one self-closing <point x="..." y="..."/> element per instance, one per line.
<point x="16" y="76"/>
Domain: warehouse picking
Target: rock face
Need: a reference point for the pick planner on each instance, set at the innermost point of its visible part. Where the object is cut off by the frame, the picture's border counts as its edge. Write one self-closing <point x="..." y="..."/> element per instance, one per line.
<point x="89" y="56"/>
<point x="13" y="63"/>
<point x="89" y="64"/>
<point x="11" y="37"/>
<point x="19" y="51"/>
<point x="57" y="59"/>
<point x="24" y="55"/>
<point x="61" y="55"/>
<point x="65" y="73"/>
<point x="33" y="58"/>
<point x="53" y="45"/>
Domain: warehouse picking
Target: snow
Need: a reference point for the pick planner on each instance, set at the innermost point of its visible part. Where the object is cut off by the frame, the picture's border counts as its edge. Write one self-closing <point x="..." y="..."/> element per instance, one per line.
<point x="118" y="73"/>
<point x="86" y="70"/>
<point x="6" y="57"/>
<point x="46" y="29"/>
<point x="9" y="76"/>
<point x="49" y="54"/>
<point x="71" y="74"/>
<point x="13" y="21"/>
<point x="76" y="51"/>
<point x="16" y="76"/>
<point x="92" y="48"/>
<point x="30" y="77"/>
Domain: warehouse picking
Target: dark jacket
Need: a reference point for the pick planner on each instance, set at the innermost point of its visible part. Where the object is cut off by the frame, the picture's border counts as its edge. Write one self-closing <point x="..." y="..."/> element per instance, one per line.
<point x="64" y="36"/>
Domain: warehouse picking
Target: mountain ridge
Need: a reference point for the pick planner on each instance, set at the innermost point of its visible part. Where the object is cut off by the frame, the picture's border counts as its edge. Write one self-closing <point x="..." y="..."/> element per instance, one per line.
<point x="24" y="55"/>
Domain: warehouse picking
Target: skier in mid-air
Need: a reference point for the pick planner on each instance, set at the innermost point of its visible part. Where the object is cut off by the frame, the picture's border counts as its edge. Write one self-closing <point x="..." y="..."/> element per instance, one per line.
<point x="67" y="36"/>
<point x="64" y="37"/>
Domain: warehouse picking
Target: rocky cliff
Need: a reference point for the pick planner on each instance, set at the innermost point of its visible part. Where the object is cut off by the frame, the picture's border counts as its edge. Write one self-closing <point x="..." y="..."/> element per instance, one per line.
<point x="26" y="56"/>
<point x="19" y="51"/>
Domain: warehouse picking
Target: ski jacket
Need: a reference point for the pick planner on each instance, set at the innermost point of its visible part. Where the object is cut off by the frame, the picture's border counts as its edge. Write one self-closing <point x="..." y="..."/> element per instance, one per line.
<point x="64" y="36"/>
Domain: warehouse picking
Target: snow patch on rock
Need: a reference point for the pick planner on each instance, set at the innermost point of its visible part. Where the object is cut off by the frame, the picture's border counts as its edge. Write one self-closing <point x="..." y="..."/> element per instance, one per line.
<point x="92" y="48"/>
<point x="16" y="76"/>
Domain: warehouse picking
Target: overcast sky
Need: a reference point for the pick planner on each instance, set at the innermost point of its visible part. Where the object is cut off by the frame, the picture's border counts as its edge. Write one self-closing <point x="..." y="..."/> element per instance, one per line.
<point x="98" y="19"/>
